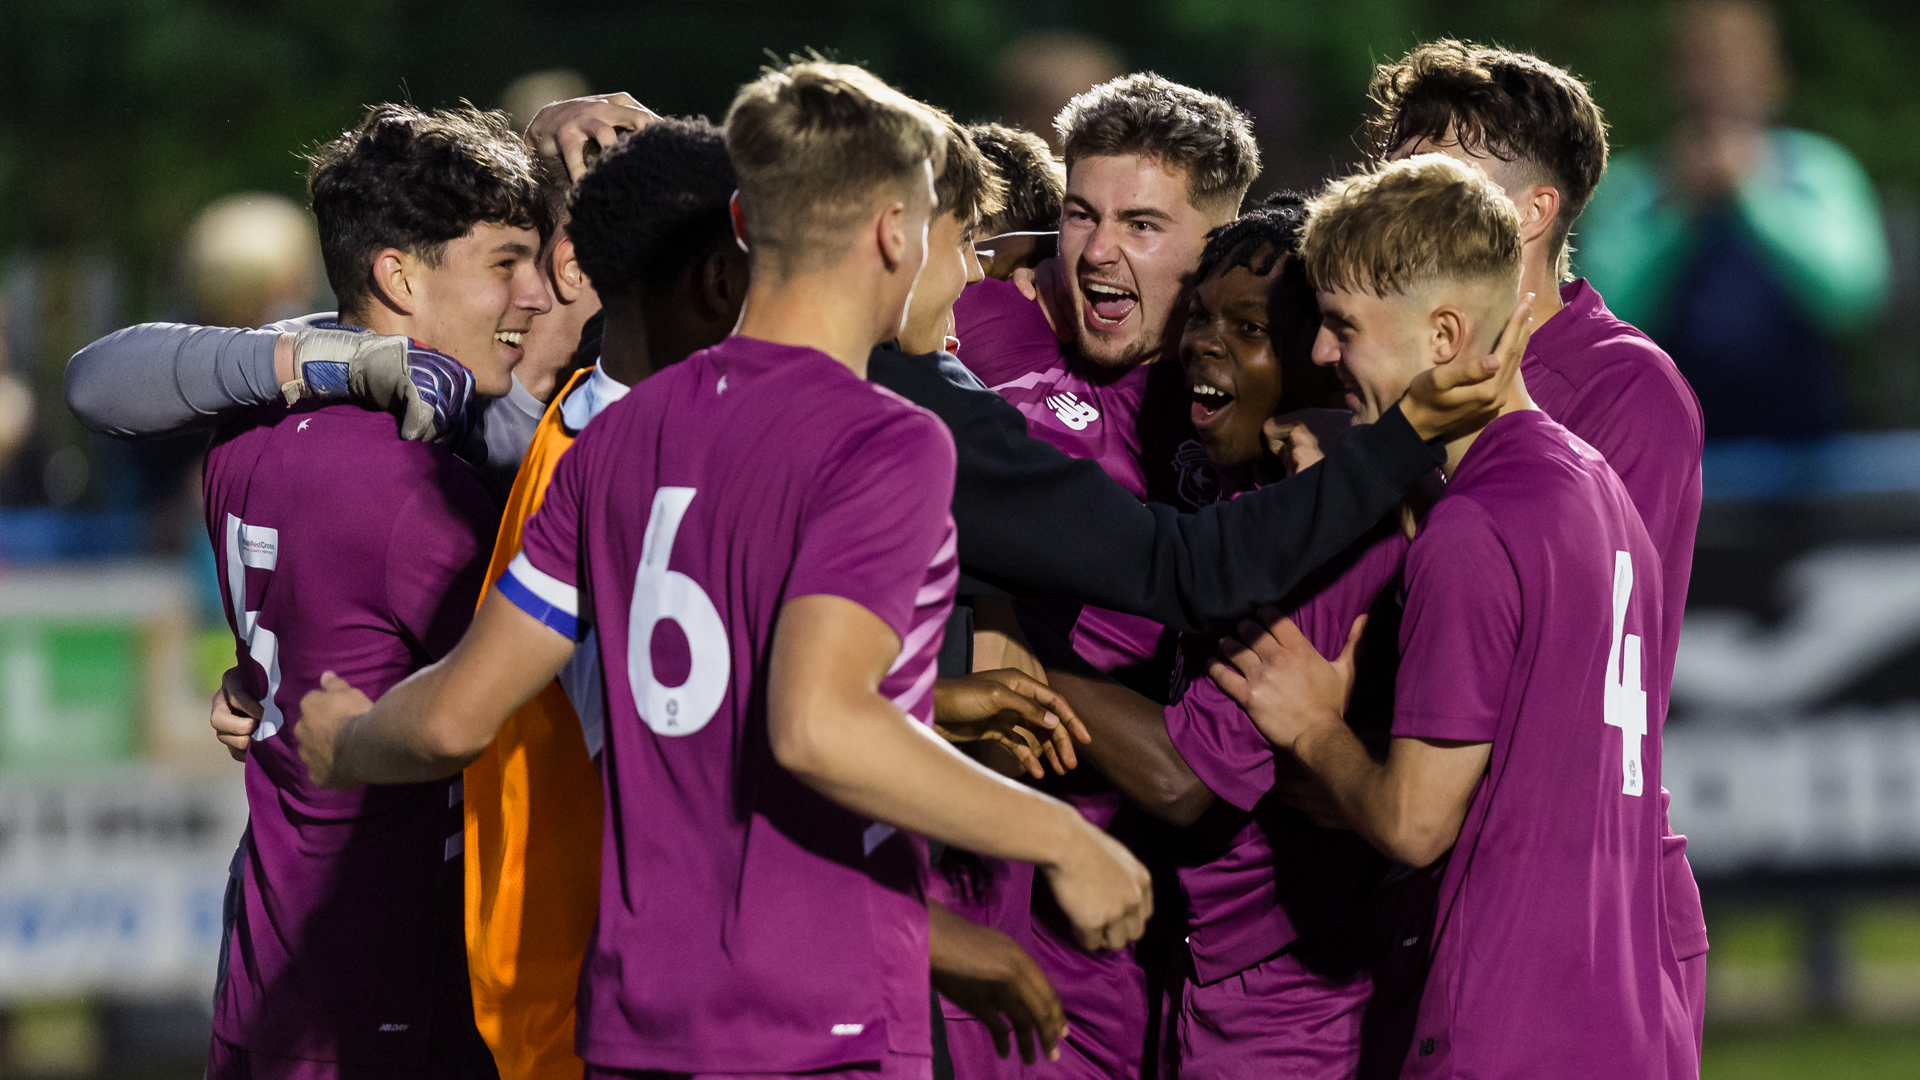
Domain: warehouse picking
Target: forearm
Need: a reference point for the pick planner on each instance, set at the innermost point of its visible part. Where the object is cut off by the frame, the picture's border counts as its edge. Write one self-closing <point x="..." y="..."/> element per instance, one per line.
<point x="1036" y="523"/>
<point x="406" y="737"/>
<point x="866" y="755"/>
<point x="158" y="378"/>
<point x="1360" y="785"/>
<point x="1131" y="748"/>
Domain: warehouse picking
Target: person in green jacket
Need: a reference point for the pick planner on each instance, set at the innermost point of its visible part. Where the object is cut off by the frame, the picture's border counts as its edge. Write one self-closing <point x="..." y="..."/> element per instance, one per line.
<point x="1747" y="250"/>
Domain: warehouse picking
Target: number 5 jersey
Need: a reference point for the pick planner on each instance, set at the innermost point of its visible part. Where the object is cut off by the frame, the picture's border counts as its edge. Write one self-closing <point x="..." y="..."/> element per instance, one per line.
<point x="747" y="924"/>
<point x="1533" y="622"/>
<point x="343" y="549"/>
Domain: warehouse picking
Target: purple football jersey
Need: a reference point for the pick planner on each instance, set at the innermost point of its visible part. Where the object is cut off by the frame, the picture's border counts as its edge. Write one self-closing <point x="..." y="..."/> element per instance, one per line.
<point x="747" y="923"/>
<point x="1282" y="876"/>
<point x="1608" y="383"/>
<point x="342" y="549"/>
<point x="1087" y="413"/>
<point x="1534" y="622"/>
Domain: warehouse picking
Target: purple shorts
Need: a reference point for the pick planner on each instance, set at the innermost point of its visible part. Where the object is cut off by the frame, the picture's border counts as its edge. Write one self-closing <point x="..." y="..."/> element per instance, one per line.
<point x="970" y="1045"/>
<point x="893" y="1067"/>
<point x="1274" y="1019"/>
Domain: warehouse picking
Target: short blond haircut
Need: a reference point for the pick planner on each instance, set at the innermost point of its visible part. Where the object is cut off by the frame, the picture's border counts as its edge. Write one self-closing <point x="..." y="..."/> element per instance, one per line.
<point x="816" y="146"/>
<point x="1411" y="223"/>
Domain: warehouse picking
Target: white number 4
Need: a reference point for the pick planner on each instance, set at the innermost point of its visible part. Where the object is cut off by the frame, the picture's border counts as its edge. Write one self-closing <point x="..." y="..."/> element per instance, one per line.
<point x="1624" y="701"/>
<point x="660" y="593"/>
<point x="258" y="547"/>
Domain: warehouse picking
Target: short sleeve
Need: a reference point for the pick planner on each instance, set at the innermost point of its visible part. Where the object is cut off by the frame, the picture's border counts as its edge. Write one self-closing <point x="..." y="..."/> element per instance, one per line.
<point x="437" y="554"/>
<point x="1648" y="427"/>
<point x="1461" y="632"/>
<point x="879" y="515"/>
<point x="1003" y="335"/>
<point x="1220" y="744"/>
<point x="544" y="579"/>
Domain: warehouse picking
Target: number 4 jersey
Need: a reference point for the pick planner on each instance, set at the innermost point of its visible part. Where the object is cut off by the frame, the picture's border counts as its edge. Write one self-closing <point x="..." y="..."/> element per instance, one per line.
<point x="1533" y="623"/>
<point x="341" y="549"/>
<point x="747" y="924"/>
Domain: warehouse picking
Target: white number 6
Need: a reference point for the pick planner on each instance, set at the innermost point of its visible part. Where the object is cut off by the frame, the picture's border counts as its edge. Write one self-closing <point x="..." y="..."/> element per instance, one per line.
<point x="660" y="593"/>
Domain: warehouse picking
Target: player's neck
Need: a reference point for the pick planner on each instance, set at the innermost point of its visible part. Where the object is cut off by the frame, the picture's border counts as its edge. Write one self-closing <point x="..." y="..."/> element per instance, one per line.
<point x="831" y="310"/>
<point x="382" y="319"/>
<point x="626" y="353"/>
<point x="1540" y="275"/>
<point x="1515" y="400"/>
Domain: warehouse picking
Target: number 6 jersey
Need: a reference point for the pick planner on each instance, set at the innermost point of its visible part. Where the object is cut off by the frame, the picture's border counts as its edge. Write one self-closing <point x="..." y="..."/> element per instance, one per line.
<point x="747" y="924"/>
<point x="1533" y="623"/>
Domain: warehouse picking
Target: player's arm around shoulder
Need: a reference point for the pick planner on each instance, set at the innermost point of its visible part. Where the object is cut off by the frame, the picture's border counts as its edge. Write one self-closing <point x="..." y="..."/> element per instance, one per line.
<point x="437" y="721"/>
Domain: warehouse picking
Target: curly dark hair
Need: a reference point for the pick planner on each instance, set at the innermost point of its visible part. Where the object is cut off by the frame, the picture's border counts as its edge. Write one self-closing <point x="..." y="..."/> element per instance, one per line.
<point x="1158" y="118"/>
<point x="1036" y="181"/>
<point x="1511" y="105"/>
<point x="1257" y="240"/>
<point x="416" y="180"/>
<point x="653" y="205"/>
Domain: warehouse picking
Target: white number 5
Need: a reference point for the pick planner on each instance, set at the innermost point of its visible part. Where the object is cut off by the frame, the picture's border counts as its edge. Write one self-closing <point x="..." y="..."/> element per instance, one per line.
<point x="1624" y="701"/>
<point x="660" y="593"/>
<point x="258" y="547"/>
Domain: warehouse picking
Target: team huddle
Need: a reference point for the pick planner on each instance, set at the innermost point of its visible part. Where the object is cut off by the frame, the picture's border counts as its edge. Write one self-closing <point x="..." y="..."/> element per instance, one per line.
<point x="847" y="593"/>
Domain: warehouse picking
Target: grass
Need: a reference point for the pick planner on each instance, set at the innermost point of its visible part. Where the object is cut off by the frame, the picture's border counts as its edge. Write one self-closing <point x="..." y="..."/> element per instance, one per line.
<point x="1810" y="1051"/>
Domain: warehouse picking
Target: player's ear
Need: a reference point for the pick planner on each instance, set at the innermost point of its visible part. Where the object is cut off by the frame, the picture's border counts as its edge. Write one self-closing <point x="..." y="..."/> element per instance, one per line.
<point x="890" y="234"/>
<point x="739" y="218"/>
<point x="723" y="282"/>
<point x="395" y="276"/>
<point x="1539" y="205"/>
<point x="569" y="281"/>
<point x="1447" y="331"/>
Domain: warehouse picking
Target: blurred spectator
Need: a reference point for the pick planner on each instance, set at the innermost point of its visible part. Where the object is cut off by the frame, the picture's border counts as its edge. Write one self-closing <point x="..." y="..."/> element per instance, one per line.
<point x="246" y="260"/>
<point x="525" y="95"/>
<point x="1040" y="73"/>
<point x="1745" y="249"/>
<point x="250" y="259"/>
<point x="16" y="405"/>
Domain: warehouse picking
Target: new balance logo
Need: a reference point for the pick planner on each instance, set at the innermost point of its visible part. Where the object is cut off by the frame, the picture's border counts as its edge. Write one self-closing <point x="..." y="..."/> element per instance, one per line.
<point x="849" y="1029"/>
<point x="395" y="1027"/>
<point x="1072" y="412"/>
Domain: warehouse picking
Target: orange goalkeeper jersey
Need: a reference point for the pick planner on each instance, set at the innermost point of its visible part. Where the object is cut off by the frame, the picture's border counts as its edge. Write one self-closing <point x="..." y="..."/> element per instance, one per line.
<point x="532" y="899"/>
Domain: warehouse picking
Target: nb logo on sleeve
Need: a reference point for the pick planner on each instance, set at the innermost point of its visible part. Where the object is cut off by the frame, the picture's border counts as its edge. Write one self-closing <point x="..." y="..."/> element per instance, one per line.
<point x="1072" y="412"/>
<point x="1623" y="700"/>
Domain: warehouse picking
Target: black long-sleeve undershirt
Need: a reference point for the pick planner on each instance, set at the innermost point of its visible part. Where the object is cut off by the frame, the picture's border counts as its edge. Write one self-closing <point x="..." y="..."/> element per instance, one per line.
<point x="1034" y="522"/>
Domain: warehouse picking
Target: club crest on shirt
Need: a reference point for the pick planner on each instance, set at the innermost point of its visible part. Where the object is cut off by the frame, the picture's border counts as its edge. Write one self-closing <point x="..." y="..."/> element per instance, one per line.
<point x="1196" y="481"/>
<point x="1073" y="412"/>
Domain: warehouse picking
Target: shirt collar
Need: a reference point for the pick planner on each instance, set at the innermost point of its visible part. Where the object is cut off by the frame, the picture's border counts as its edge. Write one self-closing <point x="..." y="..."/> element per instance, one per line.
<point x="593" y="396"/>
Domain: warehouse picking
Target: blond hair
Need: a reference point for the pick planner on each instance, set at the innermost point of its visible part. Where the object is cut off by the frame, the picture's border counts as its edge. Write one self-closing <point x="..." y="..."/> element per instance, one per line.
<point x="1411" y="223"/>
<point x="816" y="145"/>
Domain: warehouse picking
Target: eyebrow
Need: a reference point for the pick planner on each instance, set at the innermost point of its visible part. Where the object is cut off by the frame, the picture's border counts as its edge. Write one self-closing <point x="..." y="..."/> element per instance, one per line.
<point x="513" y="247"/>
<point x="1131" y="214"/>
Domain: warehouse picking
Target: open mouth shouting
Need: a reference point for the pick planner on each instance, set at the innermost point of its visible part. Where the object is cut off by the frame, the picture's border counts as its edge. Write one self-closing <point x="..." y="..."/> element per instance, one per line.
<point x="1107" y="305"/>
<point x="1209" y="401"/>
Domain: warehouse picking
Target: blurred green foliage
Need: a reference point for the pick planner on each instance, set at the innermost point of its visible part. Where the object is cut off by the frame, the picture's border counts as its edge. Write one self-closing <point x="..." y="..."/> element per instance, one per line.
<point x="122" y="117"/>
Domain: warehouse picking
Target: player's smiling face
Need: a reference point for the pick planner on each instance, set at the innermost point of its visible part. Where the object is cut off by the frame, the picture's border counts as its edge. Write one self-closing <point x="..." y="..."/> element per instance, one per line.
<point x="1233" y="374"/>
<point x="480" y="300"/>
<point x="1374" y="343"/>
<point x="1128" y="236"/>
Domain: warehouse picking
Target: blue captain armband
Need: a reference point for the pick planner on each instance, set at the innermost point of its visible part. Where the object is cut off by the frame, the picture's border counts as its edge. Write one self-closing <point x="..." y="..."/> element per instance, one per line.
<point x="543" y="596"/>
